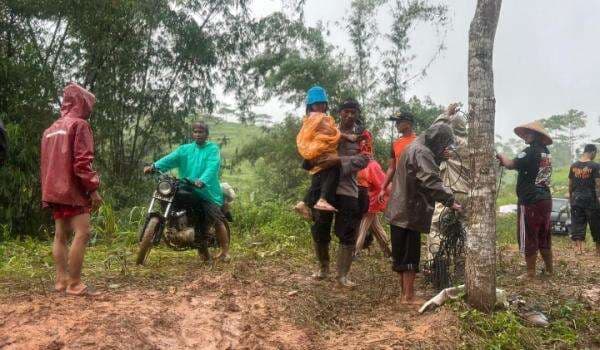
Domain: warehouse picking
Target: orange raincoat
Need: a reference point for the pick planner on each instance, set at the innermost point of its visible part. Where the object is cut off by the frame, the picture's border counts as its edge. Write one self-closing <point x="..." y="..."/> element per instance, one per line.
<point x="318" y="136"/>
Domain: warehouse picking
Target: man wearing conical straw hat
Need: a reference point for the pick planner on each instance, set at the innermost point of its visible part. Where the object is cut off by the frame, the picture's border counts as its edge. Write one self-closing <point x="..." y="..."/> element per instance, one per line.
<point x="534" y="165"/>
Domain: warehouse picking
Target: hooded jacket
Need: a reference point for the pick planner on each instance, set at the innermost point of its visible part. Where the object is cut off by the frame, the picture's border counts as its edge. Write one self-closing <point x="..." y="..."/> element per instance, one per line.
<point x="417" y="184"/>
<point x="67" y="152"/>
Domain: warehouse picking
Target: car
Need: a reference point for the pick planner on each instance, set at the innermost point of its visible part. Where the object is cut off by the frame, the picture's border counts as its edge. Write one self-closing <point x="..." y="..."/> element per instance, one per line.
<point x="561" y="216"/>
<point x="507" y="209"/>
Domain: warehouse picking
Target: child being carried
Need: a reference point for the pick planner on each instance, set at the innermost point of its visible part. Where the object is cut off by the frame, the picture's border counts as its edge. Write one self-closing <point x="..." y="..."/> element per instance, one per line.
<point x="318" y="140"/>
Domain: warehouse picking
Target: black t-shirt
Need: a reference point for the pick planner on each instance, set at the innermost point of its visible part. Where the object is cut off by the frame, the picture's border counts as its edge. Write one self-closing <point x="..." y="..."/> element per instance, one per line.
<point x="534" y="164"/>
<point x="583" y="177"/>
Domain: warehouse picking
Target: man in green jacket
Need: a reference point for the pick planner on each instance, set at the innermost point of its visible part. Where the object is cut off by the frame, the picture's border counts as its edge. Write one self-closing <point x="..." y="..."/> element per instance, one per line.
<point x="200" y="162"/>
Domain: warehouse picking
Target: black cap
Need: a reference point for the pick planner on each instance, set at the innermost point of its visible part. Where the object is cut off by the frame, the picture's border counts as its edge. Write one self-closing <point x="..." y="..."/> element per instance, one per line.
<point x="350" y="103"/>
<point x="403" y="116"/>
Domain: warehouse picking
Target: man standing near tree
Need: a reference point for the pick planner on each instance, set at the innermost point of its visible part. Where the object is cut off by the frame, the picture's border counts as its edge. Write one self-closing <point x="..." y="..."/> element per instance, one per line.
<point x="534" y="165"/>
<point x="70" y="185"/>
<point x="415" y="189"/>
<point x="454" y="171"/>
<point x="584" y="194"/>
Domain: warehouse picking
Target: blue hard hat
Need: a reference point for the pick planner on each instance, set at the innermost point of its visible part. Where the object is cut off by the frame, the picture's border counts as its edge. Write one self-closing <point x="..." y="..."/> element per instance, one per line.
<point x="316" y="94"/>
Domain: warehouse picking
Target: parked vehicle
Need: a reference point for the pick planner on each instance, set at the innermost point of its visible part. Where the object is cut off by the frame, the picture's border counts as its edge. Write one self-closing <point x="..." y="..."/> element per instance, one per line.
<point x="175" y="220"/>
<point x="561" y="216"/>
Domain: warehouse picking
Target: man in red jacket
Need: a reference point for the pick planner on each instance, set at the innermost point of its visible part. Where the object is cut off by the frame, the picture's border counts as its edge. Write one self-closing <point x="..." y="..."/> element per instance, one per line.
<point x="69" y="185"/>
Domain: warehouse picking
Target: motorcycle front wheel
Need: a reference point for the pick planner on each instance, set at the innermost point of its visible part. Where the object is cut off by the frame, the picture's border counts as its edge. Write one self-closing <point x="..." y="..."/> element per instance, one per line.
<point x="146" y="242"/>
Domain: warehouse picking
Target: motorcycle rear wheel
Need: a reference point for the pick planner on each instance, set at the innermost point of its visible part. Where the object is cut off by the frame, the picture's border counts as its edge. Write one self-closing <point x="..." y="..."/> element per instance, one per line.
<point x="146" y="242"/>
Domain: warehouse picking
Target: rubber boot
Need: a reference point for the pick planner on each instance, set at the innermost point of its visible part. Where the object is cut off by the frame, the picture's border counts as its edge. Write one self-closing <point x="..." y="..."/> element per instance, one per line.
<point x="547" y="256"/>
<point x="597" y="249"/>
<point x="322" y="253"/>
<point x="345" y="256"/>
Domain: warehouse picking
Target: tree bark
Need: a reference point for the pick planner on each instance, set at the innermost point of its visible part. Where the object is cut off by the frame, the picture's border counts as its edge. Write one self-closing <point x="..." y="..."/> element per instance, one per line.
<point x="480" y="271"/>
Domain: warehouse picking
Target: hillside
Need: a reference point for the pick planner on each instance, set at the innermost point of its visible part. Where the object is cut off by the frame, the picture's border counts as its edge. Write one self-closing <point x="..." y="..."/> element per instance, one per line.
<point x="233" y="137"/>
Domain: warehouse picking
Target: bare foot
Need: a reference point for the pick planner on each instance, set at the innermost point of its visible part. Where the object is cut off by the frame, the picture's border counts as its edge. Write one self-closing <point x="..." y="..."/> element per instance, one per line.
<point x="60" y="286"/>
<point x="81" y="290"/>
<point x="324" y="205"/>
<point x="224" y="257"/>
<point x="302" y="209"/>
<point x="413" y="301"/>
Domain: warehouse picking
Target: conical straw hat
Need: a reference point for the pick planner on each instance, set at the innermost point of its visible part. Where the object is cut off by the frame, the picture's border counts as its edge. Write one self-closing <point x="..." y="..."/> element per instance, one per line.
<point x="537" y="127"/>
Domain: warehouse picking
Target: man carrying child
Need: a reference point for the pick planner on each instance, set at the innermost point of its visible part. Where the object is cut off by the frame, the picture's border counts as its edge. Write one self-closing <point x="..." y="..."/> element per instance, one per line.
<point x="343" y="195"/>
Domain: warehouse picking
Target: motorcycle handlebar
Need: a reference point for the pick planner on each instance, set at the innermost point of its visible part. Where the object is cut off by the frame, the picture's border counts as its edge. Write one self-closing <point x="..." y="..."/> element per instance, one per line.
<point x="185" y="180"/>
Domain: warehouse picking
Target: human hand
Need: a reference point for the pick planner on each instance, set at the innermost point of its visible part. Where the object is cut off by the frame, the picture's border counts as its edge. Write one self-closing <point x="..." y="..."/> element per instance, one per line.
<point x="350" y="137"/>
<point x="96" y="200"/>
<point x="457" y="207"/>
<point x="199" y="184"/>
<point x="148" y="169"/>
<point x="453" y="108"/>
<point x="381" y="196"/>
<point x="501" y="159"/>
<point x="328" y="160"/>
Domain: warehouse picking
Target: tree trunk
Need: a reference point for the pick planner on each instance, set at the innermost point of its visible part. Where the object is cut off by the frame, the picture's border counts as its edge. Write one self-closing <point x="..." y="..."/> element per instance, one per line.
<point x="480" y="271"/>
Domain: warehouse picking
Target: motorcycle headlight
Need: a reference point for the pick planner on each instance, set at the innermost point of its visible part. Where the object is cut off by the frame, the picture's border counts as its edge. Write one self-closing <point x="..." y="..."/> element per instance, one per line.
<point x="164" y="188"/>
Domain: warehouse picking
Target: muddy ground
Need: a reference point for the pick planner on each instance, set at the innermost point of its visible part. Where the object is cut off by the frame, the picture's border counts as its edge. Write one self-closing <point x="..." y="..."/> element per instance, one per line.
<point x="266" y="304"/>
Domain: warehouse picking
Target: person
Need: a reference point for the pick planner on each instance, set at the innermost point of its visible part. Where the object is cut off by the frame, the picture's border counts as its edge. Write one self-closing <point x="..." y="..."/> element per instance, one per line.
<point x="454" y="171"/>
<point x="70" y="185"/>
<point x="371" y="179"/>
<point x="347" y="218"/>
<point x="584" y="194"/>
<point x="319" y="137"/>
<point x="200" y="162"/>
<point x="534" y="165"/>
<point x="3" y="144"/>
<point x="415" y="189"/>
<point x="404" y="122"/>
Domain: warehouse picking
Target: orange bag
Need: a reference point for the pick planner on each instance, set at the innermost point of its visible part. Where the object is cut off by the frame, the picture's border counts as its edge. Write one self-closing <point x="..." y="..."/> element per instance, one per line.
<point x="318" y="136"/>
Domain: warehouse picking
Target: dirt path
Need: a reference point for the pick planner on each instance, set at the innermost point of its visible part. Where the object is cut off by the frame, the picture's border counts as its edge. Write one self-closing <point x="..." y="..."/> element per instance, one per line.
<point x="215" y="312"/>
<point x="265" y="304"/>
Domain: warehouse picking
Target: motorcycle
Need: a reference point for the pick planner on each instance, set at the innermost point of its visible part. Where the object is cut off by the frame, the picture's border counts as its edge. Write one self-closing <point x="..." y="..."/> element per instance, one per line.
<point x="176" y="219"/>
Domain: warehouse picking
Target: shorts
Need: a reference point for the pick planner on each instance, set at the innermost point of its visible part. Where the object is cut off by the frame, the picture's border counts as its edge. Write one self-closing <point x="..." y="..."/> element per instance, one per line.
<point x="580" y="218"/>
<point x="406" y="249"/>
<point x="534" y="228"/>
<point x="65" y="211"/>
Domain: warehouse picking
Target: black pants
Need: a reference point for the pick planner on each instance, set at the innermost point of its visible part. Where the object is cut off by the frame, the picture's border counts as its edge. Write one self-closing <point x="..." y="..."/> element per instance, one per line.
<point x="204" y="213"/>
<point x="580" y="218"/>
<point x="406" y="249"/>
<point x="347" y="220"/>
<point x="323" y="185"/>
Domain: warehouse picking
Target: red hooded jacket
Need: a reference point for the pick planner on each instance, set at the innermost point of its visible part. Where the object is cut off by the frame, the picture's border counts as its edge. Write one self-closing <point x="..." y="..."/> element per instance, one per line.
<point x="68" y="152"/>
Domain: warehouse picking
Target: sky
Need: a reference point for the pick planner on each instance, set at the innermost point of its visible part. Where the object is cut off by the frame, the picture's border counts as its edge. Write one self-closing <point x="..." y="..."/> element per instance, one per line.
<point x="546" y="56"/>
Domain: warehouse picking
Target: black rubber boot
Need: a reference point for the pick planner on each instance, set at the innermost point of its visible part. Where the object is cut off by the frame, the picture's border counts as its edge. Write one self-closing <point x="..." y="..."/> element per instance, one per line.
<point x="322" y="253"/>
<point x="344" y="261"/>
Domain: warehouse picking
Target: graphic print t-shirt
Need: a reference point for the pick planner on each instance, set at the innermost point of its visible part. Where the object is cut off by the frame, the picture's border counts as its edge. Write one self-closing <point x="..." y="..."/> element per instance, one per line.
<point x="583" y="177"/>
<point x="534" y="164"/>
